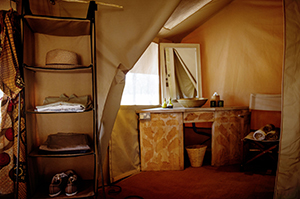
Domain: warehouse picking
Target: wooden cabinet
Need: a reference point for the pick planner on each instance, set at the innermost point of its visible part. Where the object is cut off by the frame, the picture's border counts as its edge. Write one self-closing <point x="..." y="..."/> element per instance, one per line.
<point x="41" y="35"/>
<point x="161" y="142"/>
<point x="162" y="135"/>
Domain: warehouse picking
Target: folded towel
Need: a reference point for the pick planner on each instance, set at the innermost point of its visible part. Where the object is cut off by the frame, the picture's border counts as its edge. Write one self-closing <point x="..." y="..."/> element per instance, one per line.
<point x="64" y="103"/>
<point x="272" y="135"/>
<point x="267" y="132"/>
<point x="259" y="135"/>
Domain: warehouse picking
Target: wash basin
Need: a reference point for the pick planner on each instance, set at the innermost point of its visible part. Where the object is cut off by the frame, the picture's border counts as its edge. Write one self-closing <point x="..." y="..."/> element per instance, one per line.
<point x="192" y="102"/>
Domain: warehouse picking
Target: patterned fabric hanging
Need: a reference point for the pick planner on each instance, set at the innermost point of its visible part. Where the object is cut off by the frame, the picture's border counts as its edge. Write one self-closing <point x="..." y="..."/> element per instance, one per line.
<point x="11" y="84"/>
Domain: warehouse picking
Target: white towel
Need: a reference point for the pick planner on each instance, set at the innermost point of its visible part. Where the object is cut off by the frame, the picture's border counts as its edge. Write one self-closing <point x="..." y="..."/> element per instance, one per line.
<point x="64" y="103"/>
<point x="61" y="107"/>
<point x="259" y="135"/>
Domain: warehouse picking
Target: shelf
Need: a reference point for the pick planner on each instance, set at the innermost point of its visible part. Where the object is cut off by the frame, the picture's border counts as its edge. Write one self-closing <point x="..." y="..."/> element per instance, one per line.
<point x="42" y="34"/>
<point x="56" y="112"/>
<point x="85" y="190"/>
<point x="83" y="69"/>
<point x="38" y="153"/>
<point x="58" y="26"/>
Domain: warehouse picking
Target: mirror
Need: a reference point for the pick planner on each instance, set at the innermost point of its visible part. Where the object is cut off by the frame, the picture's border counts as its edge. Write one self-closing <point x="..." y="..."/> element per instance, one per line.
<point x="180" y="70"/>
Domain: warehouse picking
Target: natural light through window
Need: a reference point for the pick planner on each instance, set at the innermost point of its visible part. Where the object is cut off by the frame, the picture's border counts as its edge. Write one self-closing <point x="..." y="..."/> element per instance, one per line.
<point x="142" y="81"/>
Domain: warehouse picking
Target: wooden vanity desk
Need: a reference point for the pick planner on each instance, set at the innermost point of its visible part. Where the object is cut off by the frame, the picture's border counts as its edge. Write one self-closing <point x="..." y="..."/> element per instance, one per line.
<point x="162" y="135"/>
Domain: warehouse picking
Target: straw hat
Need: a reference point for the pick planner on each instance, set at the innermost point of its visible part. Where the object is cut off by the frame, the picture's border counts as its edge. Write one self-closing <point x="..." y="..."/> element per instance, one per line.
<point x="62" y="59"/>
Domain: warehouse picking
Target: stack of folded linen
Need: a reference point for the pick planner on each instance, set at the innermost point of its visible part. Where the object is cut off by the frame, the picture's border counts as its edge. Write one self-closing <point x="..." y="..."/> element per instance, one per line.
<point x="267" y="132"/>
<point x="63" y="103"/>
<point x="66" y="142"/>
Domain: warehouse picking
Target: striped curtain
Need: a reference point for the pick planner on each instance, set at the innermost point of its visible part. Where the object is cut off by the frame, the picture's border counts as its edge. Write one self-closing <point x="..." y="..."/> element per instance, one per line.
<point x="12" y="153"/>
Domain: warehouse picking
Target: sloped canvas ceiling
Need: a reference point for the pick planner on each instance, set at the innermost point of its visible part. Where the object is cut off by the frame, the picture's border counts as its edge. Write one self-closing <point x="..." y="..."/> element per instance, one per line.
<point x="209" y="8"/>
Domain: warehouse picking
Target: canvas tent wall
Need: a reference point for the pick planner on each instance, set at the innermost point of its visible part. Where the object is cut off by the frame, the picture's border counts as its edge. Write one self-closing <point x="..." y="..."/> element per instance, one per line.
<point x="242" y="50"/>
<point x="123" y="34"/>
<point x="239" y="54"/>
<point x="264" y="46"/>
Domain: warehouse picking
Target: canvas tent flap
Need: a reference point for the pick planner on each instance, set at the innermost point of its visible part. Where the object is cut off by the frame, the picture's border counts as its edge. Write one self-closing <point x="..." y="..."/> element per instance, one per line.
<point x="123" y="36"/>
<point x="287" y="181"/>
<point x="124" y="144"/>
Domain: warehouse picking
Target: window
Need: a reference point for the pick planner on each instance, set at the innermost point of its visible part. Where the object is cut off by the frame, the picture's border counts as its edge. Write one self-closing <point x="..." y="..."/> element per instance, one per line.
<point x="142" y="81"/>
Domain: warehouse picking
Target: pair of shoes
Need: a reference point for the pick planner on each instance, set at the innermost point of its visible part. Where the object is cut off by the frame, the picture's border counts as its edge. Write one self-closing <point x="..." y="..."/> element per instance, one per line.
<point x="72" y="184"/>
<point x="66" y="180"/>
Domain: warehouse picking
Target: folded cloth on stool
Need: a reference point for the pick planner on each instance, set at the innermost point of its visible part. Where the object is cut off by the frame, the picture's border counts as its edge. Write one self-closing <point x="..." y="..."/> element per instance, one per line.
<point x="66" y="143"/>
<point x="259" y="135"/>
<point x="265" y="133"/>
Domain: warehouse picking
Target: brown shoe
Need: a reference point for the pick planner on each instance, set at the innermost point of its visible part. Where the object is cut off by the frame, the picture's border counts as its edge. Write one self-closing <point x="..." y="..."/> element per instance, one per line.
<point x="57" y="184"/>
<point x="72" y="184"/>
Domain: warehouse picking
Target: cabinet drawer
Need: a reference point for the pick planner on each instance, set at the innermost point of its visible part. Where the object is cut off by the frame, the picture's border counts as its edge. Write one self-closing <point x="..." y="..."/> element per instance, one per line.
<point x="193" y="117"/>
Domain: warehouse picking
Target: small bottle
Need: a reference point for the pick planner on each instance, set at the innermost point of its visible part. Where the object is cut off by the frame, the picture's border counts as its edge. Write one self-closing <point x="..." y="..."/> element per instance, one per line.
<point x="170" y="105"/>
<point x="164" y="105"/>
<point x="220" y="103"/>
<point x="215" y="97"/>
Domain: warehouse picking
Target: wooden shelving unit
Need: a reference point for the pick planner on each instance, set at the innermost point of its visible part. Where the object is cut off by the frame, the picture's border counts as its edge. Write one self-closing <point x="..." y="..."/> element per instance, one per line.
<point x="41" y="35"/>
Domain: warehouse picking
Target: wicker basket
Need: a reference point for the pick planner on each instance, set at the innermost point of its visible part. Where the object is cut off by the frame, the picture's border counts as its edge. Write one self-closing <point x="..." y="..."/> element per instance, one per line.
<point x="196" y="154"/>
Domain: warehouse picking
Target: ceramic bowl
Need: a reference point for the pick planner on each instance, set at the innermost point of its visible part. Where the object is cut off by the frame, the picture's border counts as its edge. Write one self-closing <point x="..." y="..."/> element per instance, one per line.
<point x="192" y="102"/>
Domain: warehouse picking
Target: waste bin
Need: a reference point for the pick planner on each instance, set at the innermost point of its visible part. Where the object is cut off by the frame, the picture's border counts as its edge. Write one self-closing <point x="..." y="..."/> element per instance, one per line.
<point x="196" y="154"/>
